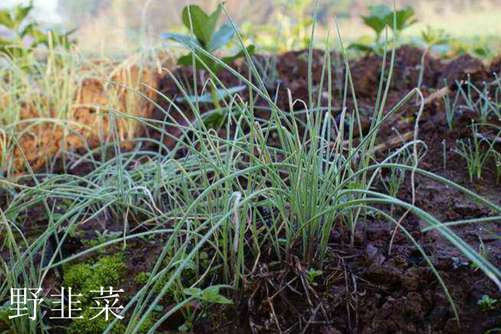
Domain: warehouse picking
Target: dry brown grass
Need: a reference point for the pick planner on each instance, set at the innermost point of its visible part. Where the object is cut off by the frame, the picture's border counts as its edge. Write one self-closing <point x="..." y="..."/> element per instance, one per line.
<point x="127" y="89"/>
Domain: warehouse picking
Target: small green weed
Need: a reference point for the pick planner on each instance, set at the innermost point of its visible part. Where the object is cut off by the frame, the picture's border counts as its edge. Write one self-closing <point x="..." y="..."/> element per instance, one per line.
<point x="487" y="303"/>
<point x="472" y="151"/>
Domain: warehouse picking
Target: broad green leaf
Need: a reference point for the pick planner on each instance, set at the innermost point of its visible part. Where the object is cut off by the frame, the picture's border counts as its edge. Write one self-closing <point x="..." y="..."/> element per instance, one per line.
<point x="481" y="52"/>
<point x="376" y="18"/>
<point x="382" y="16"/>
<point x="214" y="119"/>
<point x="375" y="23"/>
<point x="214" y="17"/>
<point x="28" y="30"/>
<point x="202" y="25"/>
<point x="22" y="12"/>
<point x="6" y="20"/>
<point x="404" y="18"/>
<point x="211" y="295"/>
<point x="39" y="37"/>
<point x="202" y="61"/>
<point x="222" y="37"/>
<point x="434" y="36"/>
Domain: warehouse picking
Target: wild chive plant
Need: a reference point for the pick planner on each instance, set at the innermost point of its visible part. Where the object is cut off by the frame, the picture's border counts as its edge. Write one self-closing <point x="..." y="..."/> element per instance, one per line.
<point x="480" y="101"/>
<point x="396" y="176"/>
<point x="431" y="38"/>
<point x="219" y="204"/>
<point x="451" y="106"/>
<point x="289" y="27"/>
<point x="473" y="151"/>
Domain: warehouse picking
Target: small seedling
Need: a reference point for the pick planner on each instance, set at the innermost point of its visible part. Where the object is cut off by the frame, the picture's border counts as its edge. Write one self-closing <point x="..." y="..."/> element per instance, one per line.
<point x="451" y="107"/>
<point x="381" y="17"/>
<point x="472" y="152"/>
<point x="432" y="37"/>
<point x="487" y="303"/>
<point x="312" y="275"/>
<point x="479" y="100"/>
<point x="393" y="181"/>
<point x="396" y="176"/>
<point x="475" y="47"/>
<point x="206" y="297"/>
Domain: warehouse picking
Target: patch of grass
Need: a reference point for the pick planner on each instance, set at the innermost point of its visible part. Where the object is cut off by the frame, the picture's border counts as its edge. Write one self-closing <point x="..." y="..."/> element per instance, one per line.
<point x="475" y="156"/>
<point x="205" y="198"/>
<point x="487" y="303"/>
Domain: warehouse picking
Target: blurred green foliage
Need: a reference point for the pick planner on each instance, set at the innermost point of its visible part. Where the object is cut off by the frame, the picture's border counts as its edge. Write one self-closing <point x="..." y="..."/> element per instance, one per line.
<point x="23" y="34"/>
<point x="446" y="46"/>
<point x="382" y="17"/>
<point x="289" y="28"/>
<point x="208" y="40"/>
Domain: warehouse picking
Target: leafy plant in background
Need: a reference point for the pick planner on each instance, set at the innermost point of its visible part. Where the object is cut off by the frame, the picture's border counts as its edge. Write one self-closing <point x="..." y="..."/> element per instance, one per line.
<point x="204" y="44"/>
<point x="24" y="35"/>
<point x="436" y="40"/>
<point x="442" y="44"/>
<point x="381" y="17"/>
<point x="290" y="27"/>
<point x="433" y="37"/>
<point x="476" y="47"/>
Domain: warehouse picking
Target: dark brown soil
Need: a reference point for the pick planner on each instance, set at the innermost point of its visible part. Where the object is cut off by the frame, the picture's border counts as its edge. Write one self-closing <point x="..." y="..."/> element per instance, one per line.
<point x="366" y="287"/>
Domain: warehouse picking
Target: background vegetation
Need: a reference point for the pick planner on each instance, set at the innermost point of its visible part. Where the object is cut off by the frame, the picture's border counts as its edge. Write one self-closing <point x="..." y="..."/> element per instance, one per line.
<point x="132" y="24"/>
